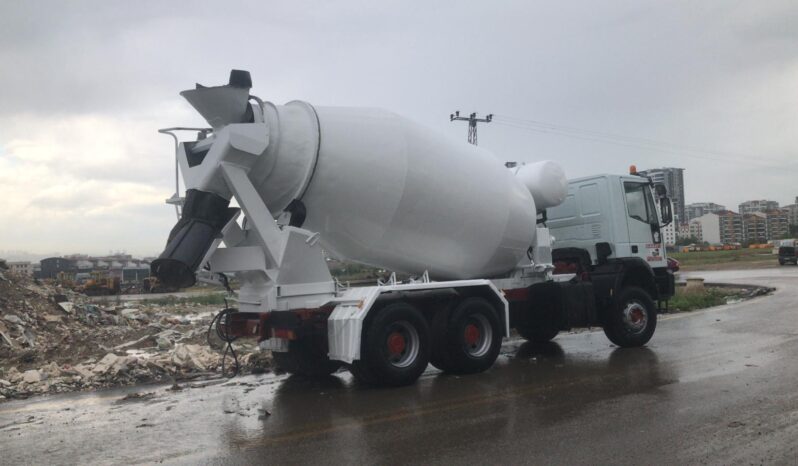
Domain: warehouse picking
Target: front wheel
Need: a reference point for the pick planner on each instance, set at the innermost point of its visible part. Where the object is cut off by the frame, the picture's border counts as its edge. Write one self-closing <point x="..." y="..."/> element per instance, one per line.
<point x="395" y="349"/>
<point x="632" y="318"/>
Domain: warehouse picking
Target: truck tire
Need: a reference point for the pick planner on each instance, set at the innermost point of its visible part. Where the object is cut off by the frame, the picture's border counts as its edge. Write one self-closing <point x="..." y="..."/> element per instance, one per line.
<point x="538" y="333"/>
<point x="471" y="339"/>
<point x="305" y="357"/>
<point x="395" y="349"/>
<point x="632" y="318"/>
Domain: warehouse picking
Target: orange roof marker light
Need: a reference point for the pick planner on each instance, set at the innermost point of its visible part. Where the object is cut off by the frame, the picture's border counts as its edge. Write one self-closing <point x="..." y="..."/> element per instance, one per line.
<point x="632" y="169"/>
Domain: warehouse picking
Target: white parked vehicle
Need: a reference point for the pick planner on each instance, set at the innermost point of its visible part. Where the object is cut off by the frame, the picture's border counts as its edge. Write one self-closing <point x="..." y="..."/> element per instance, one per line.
<point x="370" y="186"/>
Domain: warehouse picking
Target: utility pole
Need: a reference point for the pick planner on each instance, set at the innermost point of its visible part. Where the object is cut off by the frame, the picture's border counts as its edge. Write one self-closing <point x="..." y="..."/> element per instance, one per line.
<point x="472" y="123"/>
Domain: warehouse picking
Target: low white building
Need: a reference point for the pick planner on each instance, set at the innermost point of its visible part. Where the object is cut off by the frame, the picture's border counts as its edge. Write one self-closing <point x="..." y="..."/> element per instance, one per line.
<point x="710" y="228"/>
<point x="21" y="268"/>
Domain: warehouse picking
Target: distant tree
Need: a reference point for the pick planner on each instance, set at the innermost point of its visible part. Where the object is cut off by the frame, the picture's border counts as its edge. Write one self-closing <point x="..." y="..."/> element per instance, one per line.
<point x="687" y="241"/>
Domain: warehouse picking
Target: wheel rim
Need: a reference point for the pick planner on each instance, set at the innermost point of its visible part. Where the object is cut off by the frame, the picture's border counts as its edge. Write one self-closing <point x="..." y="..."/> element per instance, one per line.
<point x="477" y="336"/>
<point x="402" y="344"/>
<point x="635" y="317"/>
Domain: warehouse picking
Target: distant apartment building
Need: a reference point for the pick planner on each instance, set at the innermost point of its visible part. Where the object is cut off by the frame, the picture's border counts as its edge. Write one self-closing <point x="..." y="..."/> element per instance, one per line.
<point x="21" y="268"/>
<point x="755" y="227"/>
<point x="731" y="227"/>
<point x="694" y="230"/>
<point x="669" y="234"/>
<point x="792" y="212"/>
<point x="724" y="227"/>
<point x="673" y="180"/>
<point x="761" y="227"/>
<point x="683" y="231"/>
<point x="697" y="209"/>
<point x="759" y="205"/>
<point x="777" y="224"/>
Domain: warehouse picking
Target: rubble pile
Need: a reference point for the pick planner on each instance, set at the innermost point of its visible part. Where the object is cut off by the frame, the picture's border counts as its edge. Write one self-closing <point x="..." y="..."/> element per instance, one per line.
<point x="54" y="340"/>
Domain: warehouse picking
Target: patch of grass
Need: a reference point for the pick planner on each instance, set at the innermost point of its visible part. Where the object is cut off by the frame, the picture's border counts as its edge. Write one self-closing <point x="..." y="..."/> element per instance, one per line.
<point x="684" y="300"/>
<point x="691" y="260"/>
<point x="204" y="299"/>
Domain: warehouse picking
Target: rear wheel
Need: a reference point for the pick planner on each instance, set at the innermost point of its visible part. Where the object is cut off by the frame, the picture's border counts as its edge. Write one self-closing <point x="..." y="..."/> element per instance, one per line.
<point x="471" y="339"/>
<point x="305" y="357"/>
<point x="395" y="349"/>
<point x="632" y="319"/>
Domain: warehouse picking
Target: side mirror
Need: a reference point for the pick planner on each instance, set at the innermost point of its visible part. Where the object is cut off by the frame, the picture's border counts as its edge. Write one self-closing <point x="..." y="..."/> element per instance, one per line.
<point x="660" y="190"/>
<point x="666" y="210"/>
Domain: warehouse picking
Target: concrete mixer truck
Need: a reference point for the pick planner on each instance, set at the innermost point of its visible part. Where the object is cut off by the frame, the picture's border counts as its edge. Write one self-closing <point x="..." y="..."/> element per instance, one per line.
<point x="369" y="186"/>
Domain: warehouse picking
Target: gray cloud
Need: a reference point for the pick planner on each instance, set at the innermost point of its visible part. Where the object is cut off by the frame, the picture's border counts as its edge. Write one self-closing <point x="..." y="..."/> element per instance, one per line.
<point x="714" y="75"/>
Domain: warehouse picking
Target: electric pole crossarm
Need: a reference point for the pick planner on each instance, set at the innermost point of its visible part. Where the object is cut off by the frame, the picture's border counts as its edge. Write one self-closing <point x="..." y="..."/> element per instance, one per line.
<point x="472" y="123"/>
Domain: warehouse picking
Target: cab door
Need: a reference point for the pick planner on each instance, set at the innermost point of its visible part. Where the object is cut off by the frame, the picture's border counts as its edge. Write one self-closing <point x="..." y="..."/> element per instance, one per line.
<point x="645" y="238"/>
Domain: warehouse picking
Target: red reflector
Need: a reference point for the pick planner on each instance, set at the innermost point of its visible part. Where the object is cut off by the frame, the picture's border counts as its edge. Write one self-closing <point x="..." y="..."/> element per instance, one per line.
<point x="283" y="333"/>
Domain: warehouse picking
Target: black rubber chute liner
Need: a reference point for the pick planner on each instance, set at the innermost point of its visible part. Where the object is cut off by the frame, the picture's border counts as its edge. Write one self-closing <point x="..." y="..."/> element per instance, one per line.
<point x="204" y="216"/>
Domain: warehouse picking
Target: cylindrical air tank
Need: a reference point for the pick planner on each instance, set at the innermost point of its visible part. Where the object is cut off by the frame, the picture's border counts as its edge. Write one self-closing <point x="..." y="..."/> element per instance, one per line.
<point x="545" y="181"/>
<point x="386" y="192"/>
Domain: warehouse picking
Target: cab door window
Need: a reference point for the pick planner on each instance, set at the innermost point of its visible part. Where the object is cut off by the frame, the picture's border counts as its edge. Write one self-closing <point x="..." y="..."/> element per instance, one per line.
<point x="639" y="204"/>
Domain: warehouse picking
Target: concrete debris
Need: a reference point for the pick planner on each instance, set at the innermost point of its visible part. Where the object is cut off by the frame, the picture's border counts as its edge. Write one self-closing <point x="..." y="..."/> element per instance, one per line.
<point x="51" y="370"/>
<point x="32" y="376"/>
<point x="66" y="306"/>
<point x="163" y="343"/>
<point x="53" y="340"/>
<point x="11" y="318"/>
<point x="5" y="339"/>
<point x="195" y="357"/>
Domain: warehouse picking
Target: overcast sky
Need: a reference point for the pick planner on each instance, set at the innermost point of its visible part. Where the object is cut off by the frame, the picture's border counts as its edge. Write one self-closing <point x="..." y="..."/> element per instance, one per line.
<point x="708" y="86"/>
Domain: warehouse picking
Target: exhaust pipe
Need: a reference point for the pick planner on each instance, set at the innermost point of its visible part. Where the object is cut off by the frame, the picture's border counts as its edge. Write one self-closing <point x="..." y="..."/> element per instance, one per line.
<point x="204" y="216"/>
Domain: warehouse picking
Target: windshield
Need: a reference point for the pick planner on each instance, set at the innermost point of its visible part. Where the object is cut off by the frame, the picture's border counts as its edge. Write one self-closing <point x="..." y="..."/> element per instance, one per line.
<point x="639" y="203"/>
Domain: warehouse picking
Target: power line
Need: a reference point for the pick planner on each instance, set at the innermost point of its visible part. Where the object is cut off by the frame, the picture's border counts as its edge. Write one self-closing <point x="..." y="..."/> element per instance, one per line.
<point x="631" y="141"/>
<point x="472" y="123"/>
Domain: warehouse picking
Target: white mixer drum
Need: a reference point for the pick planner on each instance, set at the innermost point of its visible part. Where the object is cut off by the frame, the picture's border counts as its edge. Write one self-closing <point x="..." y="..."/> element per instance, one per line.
<point x="389" y="193"/>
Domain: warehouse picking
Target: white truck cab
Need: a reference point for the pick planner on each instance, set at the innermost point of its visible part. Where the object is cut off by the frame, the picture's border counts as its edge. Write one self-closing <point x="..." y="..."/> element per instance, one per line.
<point x="607" y="219"/>
<point x="614" y="209"/>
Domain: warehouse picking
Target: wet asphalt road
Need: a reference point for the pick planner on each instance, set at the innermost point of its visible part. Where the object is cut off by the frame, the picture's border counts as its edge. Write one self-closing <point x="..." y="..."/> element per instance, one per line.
<point x="718" y="386"/>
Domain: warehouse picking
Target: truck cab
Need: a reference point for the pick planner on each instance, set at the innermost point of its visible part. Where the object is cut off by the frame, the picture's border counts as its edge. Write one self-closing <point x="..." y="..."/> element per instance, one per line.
<point x="611" y="221"/>
<point x="787" y="252"/>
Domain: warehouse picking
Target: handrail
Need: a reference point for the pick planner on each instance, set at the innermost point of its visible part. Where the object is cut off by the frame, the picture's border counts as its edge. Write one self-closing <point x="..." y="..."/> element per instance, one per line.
<point x="170" y="132"/>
